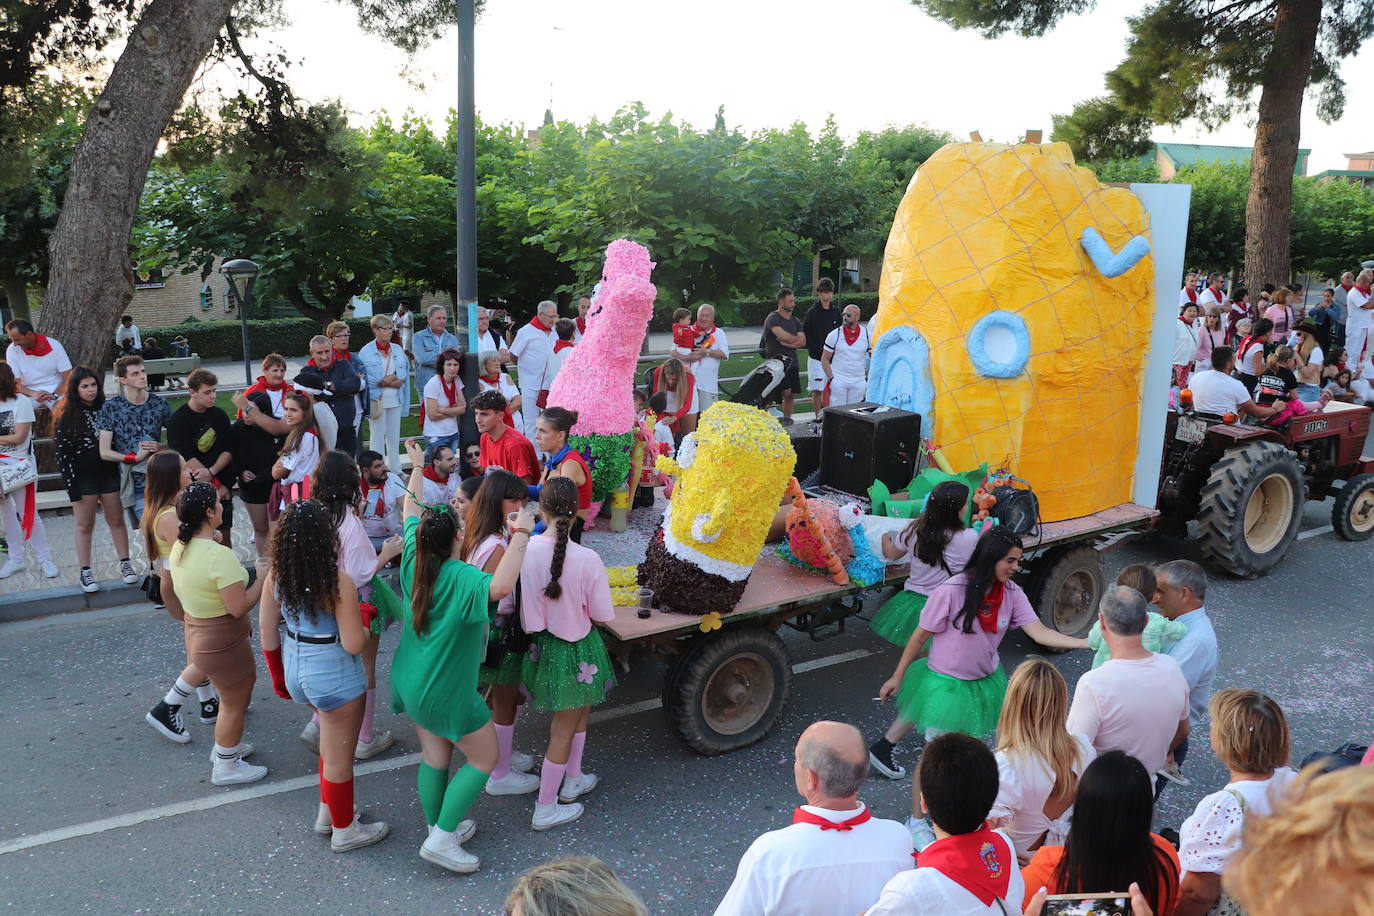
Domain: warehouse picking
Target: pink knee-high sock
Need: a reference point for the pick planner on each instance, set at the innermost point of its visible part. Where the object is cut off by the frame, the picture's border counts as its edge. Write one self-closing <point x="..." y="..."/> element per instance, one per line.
<point x="550" y="781"/>
<point x="579" y="740"/>
<point x="315" y="719"/>
<point x="505" y="738"/>
<point x="369" y="710"/>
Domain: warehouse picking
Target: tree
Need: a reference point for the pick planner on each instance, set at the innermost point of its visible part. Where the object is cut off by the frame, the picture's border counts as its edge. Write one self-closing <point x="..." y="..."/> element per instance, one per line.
<point x="1099" y="129"/>
<point x="1198" y="59"/>
<point x="1333" y="226"/>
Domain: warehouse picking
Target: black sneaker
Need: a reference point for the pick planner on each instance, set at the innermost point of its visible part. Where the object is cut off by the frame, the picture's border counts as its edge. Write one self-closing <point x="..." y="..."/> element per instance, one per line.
<point x="167" y="720"/>
<point x="883" y="763"/>
<point x="209" y="710"/>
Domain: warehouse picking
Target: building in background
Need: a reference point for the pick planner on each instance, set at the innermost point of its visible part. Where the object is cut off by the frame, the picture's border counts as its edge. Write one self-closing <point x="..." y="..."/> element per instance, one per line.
<point x="1170" y="157"/>
<point x="1359" y="169"/>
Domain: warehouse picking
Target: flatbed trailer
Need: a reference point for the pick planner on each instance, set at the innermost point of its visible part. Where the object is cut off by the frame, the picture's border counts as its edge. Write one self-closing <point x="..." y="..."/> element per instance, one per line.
<point x="728" y="681"/>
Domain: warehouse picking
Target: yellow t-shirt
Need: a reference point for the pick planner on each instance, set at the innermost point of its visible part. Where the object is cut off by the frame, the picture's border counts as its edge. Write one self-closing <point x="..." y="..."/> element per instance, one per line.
<point x="199" y="570"/>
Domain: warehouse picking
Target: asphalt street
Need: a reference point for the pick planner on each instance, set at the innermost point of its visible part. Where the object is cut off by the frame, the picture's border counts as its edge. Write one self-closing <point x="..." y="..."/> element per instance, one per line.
<point x="101" y="814"/>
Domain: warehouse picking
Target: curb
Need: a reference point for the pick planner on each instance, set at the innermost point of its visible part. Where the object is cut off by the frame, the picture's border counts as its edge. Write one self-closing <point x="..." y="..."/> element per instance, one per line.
<point x="67" y="599"/>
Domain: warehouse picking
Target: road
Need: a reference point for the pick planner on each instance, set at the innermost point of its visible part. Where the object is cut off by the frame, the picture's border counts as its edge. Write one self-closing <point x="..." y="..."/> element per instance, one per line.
<point x="103" y="815"/>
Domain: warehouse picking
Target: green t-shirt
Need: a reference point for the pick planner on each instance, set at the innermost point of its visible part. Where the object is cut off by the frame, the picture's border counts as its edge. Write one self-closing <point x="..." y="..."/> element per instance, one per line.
<point x="434" y="676"/>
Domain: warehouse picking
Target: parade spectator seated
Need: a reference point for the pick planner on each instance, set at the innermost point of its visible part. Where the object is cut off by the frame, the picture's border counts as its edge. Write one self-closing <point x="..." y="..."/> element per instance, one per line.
<point x="1110" y="846"/>
<point x="679" y="388"/>
<point x="502" y="446"/>
<point x="970" y="868"/>
<point x="1217" y="392"/>
<point x="181" y="347"/>
<point x="127" y="337"/>
<point x="440" y="475"/>
<point x="835" y="857"/>
<point x="152" y="351"/>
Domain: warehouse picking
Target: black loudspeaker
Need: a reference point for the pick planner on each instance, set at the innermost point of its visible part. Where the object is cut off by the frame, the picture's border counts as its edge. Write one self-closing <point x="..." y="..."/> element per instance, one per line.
<point x="864" y="442"/>
<point x="807" y="445"/>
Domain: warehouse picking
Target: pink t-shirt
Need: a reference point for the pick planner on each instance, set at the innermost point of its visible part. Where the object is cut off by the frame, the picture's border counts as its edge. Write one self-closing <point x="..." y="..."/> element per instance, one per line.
<point x="484" y="550"/>
<point x="969" y="656"/>
<point x="1132" y="705"/>
<point x="1282" y="316"/>
<point x="924" y="579"/>
<point x="586" y="591"/>
<point x="357" y="556"/>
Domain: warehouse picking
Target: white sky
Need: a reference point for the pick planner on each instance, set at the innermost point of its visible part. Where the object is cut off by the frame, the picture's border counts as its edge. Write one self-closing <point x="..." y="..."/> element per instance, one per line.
<point x="770" y="62"/>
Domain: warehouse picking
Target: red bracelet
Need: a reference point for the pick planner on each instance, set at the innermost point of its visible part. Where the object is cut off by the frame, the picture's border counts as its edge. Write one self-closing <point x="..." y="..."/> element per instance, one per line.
<point x="215" y="482"/>
<point x="130" y="458"/>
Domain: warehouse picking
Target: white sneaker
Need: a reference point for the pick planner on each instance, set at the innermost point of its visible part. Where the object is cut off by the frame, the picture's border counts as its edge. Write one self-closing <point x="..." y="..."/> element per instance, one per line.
<point x="521" y="763"/>
<point x="234" y="771"/>
<point x="546" y="817"/>
<point x="49" y="568"/>
<point x="446" y="851"/>
<point x="467" y="829"/>
<point x="512" y="783"/>
<point x="126" y="572"/>
<point x="324" y="824"/>
<point x="310" y="735"/>
<point x="575" y="788"/>
<point x="243" y="750"/>
<point x="12" y="566"/>
<point x="381" y="740"/>
<point x="357" y="834"/>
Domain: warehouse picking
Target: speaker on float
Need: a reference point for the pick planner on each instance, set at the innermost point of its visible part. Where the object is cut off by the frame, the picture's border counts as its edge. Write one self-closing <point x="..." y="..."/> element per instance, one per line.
<point x="864" y="442"/>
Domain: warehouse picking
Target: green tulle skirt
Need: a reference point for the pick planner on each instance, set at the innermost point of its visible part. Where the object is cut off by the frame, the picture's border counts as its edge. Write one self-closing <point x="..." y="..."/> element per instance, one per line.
<point x="567" y="675"/>
<point x="934" y="700"/>
<point x="505" y="672"/>
<point x="896" y="620"/>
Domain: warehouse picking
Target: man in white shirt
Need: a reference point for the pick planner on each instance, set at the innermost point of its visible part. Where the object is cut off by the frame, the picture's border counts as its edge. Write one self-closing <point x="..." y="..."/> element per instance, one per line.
<point x="1216" y="391"/>
<point x="440" y="475"/>
<point x="1359" y="316"/>
<point x="835" y="857"/>
<point x="706" y="359"/>
<point x="39" y="363"/>
<point x="1182" y="588"/>
<point x="1212" y="297"/>
<point x="1188" y="295"/>
<point x="127" y="330"/>
<point x="531" y="348"/>
<point x="382" y="497"/>
<point x="844" y="359"/>
<point x="1137" y="701"/>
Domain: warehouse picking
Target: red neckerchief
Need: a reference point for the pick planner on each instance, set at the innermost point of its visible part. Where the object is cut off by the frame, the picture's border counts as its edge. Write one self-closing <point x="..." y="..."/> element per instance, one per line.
<point x="562" y="345"/>
<point x="1192" y="294"/>
<point x="992" y="603"/>
<point x="851" y="334"/>
<point x="384" y="347"/>
<point x="381" y="493"/>
<point x="492" y="380"/>
<point x="41" y="347"/>
<point x="1363" y="289"/>
<point x="343" y="355"/>
<point x="541" y="326"/>
<point x="980" y="862"/>
<point x="581" y="325"/>
<point x="802" y="816"/>
<point x="1185" y="321"/>
<point x="431" y="474"/>
<point x="1347" y="288"/>
<point x="450" y="390"/>
<point x="264" y="385"/>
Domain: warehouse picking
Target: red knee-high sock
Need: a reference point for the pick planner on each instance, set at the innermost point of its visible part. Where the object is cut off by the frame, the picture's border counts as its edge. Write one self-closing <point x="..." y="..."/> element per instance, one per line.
<point x="339" y="798"/>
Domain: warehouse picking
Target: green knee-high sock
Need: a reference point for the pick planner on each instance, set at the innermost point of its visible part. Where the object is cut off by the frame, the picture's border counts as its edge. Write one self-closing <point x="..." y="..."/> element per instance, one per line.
<point x="431" y="783"/>
<point x="462" y="791"/>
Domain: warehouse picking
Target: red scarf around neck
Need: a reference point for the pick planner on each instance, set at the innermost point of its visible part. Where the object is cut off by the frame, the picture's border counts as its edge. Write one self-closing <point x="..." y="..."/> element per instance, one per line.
<point x="343" y="355"/>
<point x="539" y="325"/>
<point x="992" y="604"/>
<point x="381" y="493"/>
<point x="384" y="347"/>
<point x="562" y="345"/>
<point x="493" y="380"/>
<point x="979" y="862"/>
<point x="265" y="385"/>
<point x="450" y="390"/>
<point x="802" y="816"/>
<point x="41" y="346"/>
<point x="1347" y="286"/>
<point x="851" y="333"/>
<point x="431" y="474"/>
<point x="581" y="325"/>
<point x="1192" y="293"/>
<point x="1186" y="321"/>
<point x="1363" y="289"/>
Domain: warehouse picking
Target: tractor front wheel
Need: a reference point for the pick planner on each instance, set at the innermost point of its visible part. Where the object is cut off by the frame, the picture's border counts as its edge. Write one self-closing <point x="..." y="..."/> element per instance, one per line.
<point x="1353" y="514"/>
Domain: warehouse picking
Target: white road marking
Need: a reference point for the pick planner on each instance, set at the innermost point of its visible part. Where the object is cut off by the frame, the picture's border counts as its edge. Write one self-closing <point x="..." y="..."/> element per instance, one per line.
<point x="312" y="780"/>
<point x="1314" y="532"/>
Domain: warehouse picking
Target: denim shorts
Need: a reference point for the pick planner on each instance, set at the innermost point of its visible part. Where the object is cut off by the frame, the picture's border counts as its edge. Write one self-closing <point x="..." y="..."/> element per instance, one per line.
<point x="323" y="676"/>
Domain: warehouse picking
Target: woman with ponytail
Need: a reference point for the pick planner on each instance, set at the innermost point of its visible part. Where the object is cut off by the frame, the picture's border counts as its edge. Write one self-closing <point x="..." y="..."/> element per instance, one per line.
<point x="434" y="672"/>
<point x="563" y="592"/>
<point x="551" y="437"/>
<point x="210" y="593"/>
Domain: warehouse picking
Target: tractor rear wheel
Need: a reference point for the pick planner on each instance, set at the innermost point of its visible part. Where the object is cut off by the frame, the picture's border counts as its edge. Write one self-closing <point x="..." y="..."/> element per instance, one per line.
<point x="1353" y="514"/>
<point x="1251" y="506"/>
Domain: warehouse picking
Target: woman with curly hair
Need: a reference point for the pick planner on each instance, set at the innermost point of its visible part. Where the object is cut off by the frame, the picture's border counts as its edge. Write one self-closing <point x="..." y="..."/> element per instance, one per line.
<point x="434" y="672"/>
<point x="319" y="665"/>
<point x="338" y="486"/>
<point x="563" y="592"/>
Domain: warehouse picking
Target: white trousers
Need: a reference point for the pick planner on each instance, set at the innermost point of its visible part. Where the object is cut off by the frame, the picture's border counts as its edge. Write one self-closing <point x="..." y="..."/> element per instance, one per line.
<point x="1356" y="340"/>
<point x="846" y="391"/>
<point x="529" y="412"/>
<point x="384" y="437"/>
<point x="12" y="506"/>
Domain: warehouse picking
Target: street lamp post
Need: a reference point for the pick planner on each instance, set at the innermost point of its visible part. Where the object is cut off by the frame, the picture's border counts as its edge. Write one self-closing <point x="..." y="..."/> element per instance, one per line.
<point x="466" y="182"/>
<point x="241" y="274"/>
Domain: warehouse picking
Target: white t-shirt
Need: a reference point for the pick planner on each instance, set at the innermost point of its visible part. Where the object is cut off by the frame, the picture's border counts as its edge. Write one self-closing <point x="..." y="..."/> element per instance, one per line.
<point x="532" y="349"/>
<point x="1212" y="833"/>
<point x="848" y="361"/>
<point x="1185" y="299"/>
<point x="503" y="385"/>
<point x="301" y="462"/>
<point x="1216" y="392"/>
<point x="802" y="869"/>
<point x="41" y="373"/>
<point x="1131" y="705"/>
<point x="438" y="494"/>
<point x="1024" y="785"/>
<point x="387" y="522"/>
<point x="554" y="364"/>
<point x="131" y="334"/>
<point x="927" y="891"/>
<point x="434" y="388"/>
<point x="13" y="412"/>
<point x="1355" y="316"/>
<point x="1207" y="300"/>
<point x="707" y="369"/>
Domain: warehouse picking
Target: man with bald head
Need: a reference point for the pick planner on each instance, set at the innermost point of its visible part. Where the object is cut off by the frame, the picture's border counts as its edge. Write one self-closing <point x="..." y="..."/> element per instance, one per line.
<point x="835" y="857"/>
<point x="532" y="349"/>
<point x="844" y="359"/>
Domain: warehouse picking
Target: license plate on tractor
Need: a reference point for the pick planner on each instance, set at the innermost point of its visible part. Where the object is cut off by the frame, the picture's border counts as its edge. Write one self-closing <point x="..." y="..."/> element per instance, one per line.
<point x="1190" y="430"/>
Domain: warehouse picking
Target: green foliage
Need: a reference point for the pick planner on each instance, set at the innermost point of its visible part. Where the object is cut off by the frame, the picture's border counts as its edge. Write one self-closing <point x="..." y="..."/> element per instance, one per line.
<point x="1100" y="129"/>
<point x="1137" y="169"/>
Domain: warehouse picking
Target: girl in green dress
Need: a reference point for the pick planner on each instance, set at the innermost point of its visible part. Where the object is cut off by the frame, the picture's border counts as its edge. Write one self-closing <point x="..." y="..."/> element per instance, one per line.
<point x="434" y="673"/>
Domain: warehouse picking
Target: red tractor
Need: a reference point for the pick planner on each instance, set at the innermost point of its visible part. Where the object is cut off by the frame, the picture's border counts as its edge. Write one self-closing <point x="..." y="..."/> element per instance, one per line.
<point x="1245" y="485"/>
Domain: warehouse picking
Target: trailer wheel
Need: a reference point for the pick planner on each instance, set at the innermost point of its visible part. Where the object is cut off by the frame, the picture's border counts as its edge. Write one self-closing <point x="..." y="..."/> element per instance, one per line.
<point x="1353" y="514"/>
<point x="1251" y="507"/>
<point x="727" y="689"/>
<point x="1066" y="588"/>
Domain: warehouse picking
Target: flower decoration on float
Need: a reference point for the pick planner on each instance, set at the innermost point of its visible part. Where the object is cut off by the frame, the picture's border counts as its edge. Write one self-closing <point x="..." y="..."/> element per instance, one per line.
<point x="710" y="622"/>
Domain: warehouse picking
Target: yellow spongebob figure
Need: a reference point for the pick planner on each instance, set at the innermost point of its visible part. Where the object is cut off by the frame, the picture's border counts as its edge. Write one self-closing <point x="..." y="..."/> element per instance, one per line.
<point x="731" y="474"/>
<point x="1014" y="312"/>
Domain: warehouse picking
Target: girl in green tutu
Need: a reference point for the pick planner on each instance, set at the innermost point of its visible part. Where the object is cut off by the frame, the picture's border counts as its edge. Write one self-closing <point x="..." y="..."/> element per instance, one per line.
<point x="563" y="593"/>
<point x="959" y="687"/>
<point x="937" y="545"/>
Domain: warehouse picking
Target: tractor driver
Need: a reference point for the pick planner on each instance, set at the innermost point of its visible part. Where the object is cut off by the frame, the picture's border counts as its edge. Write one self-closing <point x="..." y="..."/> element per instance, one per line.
<point x="1216" y="391"/>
